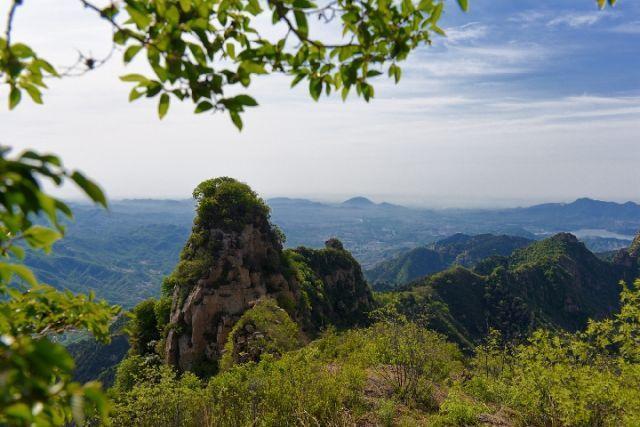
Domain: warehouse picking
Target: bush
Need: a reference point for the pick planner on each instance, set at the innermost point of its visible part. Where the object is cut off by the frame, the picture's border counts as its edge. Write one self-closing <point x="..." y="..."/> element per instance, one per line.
<point x="295" y="390"/>
<point x="589" y="378"/>
<point x="263" y="329"/>
<point x="162" y="399"/>
<point x="410" y="359"/>
<point x="458" y="411"/>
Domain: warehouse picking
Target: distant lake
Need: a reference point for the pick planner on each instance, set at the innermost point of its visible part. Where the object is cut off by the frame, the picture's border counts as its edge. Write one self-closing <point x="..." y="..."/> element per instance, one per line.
<point x="597" y="232"/>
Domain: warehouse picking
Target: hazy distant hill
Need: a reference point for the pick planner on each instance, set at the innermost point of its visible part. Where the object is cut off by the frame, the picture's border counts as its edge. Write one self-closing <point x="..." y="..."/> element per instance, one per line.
<point x="121" y="254"/>
<point x="458" y="249"/>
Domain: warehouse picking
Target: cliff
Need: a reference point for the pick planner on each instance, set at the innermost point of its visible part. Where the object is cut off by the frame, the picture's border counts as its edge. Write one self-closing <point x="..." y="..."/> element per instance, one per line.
<point x="234" y="259"/>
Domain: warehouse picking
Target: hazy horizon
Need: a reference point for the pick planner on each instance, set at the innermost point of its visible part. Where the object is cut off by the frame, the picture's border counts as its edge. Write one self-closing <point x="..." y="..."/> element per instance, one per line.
<point x="416" y="202"/>
<point x="522" y="103"/>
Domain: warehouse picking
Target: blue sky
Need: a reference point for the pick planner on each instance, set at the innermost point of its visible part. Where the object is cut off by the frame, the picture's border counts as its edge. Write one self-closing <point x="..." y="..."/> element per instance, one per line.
<point x="524" y="101"/>
<point x="568" y="47"/>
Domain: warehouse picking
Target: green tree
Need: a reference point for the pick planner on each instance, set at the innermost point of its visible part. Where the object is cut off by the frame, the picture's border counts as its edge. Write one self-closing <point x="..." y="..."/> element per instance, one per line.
<point x="35" y="373"/>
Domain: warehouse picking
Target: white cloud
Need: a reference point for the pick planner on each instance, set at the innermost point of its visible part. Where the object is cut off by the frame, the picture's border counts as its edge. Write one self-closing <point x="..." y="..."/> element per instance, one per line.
<point x="465" y="33"/>
<point x="476" y="61"/>
<point x="528" y="17"/>
<point x="632" y="27"/>
<point x="577" y="20"/>
<point x="554" y="18"/>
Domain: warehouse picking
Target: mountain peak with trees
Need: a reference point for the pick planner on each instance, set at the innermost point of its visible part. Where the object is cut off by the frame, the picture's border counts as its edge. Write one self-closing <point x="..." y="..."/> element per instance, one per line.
<point x="232" y="261"/>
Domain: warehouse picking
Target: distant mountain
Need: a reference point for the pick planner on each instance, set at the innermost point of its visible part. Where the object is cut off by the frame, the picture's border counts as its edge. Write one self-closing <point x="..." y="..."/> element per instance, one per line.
<point x="587" y="207"/>
<point x="604" y="244"/>
<point x="460" y="249"/>
<point x="555" y="283"/>
<point x="583" y="213"/>
<point x="358" y="201"/>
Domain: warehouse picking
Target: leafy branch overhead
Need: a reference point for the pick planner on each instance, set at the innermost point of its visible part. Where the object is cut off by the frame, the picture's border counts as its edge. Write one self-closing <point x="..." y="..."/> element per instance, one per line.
<point x="199" y="49"/>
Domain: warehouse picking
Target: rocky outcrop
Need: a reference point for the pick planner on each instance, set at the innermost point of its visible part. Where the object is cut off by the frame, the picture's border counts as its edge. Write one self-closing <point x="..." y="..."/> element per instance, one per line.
<point x="344" y="289"/>
<point x="245" y="269"/>
<point x="233" y="259"/>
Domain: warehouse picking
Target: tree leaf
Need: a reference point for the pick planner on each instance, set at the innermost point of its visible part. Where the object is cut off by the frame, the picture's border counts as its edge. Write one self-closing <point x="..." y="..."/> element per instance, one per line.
<point x="91" y="189"/>
<point x="139" y="78"/>
<point x="34" y="93"/>
<point x="131" y="52"/>
<point x="203" y="106"/>
<point x="163" y="105"/>
<point x="464" y="4"/>
<point x="7" y="270"/>
<point x="40" y="237"/>
<point x="14" y="97"/>
<point x="235" y="118"/>
<point x="246" y="100"/>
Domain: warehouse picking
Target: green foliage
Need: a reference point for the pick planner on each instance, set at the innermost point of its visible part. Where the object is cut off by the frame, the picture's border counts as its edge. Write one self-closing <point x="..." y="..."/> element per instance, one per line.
<point x="157" y="396"/>
<point x="325" y="383"/>
<point x="98" y="361"/>
<point x="411" y="359"/>
<point x="227" y="204"/>
<point x="459" y="410"/>
<point x="295" y="390"/>
<point x="144" y="328"/>
<point x="37" y="386"/>
<point x="333" y="283"/>
<point x="187" y="39"/>
<point x="459" y="249"/>
<point x="264" y="329"/>
<point x="586" y="378"/>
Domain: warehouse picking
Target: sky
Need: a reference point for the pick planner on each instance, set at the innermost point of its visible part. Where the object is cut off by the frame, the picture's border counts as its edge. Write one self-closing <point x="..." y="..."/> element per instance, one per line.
<point x="523" y="102"/>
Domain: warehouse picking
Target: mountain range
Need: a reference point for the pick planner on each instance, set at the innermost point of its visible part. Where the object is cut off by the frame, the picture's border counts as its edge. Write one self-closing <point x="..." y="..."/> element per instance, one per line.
<point x="459" y="249"/>
<point x="555" y="283"/>
<point x="123" y="253"/>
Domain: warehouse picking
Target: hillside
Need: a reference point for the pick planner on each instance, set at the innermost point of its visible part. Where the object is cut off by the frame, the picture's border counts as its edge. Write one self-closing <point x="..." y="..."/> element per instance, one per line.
<point x="121" y="254"/>
<point x="555" y="283"/>
<point x="459" y="249"/>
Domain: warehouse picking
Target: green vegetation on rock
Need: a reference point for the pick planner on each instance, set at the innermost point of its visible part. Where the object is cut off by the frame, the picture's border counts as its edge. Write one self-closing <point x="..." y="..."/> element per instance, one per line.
<point x="263" y="329"/>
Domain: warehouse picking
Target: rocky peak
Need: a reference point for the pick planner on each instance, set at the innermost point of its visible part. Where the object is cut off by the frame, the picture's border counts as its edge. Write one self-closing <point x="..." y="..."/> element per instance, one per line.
<point x="234" y="259"/>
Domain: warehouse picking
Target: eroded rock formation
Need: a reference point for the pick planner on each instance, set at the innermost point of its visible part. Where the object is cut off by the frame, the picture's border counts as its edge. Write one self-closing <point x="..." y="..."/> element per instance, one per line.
<point x="233" y="259"/>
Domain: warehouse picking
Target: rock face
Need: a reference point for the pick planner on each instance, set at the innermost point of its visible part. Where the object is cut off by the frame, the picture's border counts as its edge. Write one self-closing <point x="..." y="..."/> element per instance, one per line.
<point x="241" y="273"/>
<point x="234" y="259"/>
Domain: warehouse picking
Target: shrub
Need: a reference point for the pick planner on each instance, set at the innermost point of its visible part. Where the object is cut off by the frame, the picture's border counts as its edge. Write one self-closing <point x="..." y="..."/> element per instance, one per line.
<point x="458" y="411"/>
<point x="410" y="359"/>
<point x="162" y="399"/>
<point x="263" y="329"/>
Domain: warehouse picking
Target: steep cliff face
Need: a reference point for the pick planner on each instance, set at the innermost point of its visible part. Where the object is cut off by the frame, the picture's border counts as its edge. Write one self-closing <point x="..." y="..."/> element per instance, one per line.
<point x="233" y="260"/>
